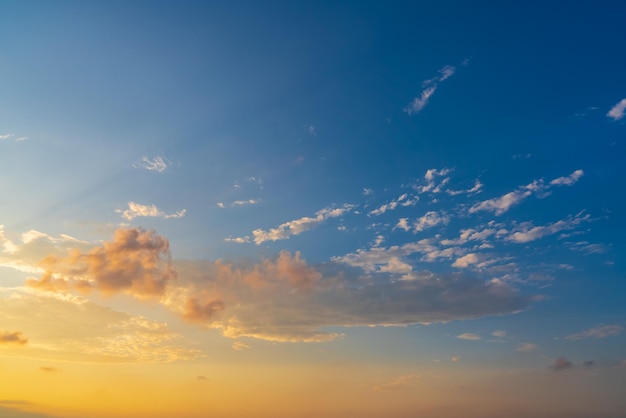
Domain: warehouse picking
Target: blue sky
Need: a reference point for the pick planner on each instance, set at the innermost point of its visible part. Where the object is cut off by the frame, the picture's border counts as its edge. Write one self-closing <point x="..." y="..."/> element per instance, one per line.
<point x="395" y="183"/>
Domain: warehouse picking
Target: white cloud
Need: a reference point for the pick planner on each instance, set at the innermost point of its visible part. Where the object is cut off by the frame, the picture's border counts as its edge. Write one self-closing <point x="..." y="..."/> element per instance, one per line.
<point x="403" y="224"/>
<point x="617" y="111"/>
<point x="6" y="136"/>
<point x="367" y="191"/>
<point x="526" y="232"/>
<point x="245" y="202"/>
<point x="238" y="240"/>
<point x="431" y="177"/>
<point x="429" y="220"/>
<point x="429" y="87"/>
<point x="466" y="261"/>
<point x="597" y="332"/>
<point x="136" y="210"/>
<point x="299" y="226"/>
<point x="568" y="180"/>
<point x="157" y="163"/>
<point x="402" y="200"/>
<point x="499" y="333"/>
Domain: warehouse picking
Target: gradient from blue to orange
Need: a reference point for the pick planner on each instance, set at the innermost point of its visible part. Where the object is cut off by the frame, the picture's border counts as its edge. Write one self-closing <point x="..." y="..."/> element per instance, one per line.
<point x="328" y="209"/>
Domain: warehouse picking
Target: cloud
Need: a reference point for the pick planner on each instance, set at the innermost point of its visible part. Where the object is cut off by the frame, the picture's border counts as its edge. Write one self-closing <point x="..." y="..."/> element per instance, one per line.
<point x="561" y="363"/>
<point x="71" y="328"/>
<point x="136" y="262"/>
<point x="526" y="347"/>
<point x="502" y="204"/>
<point x="568" y="180"/>
<point x="12" y="337"/>
<point x="238" y="240"/>
<point x="49" y="369"/>
<point x="433" y="184"/>
<point x="245" y="202"/>
<point x="298" y="226"/>
<point x="455" y="359"/>
<point x="400" y="382"/>
<point x="429" y="87"/>
<point x="157" y="163"/>
<point x="6" y="136"/>
<point x="617" y="111"/>
<point x="136" y="210"/>
<point x="402" y="200"/>
<point x="499" y="334"/>
<point x="467" y="260"/>
<point x="239" y="345"/>
<point x="597" y="332"/>
<point x="429" y="220"/>
<point x="469" y="336"/>
<point x="367" y="191"/>
<point x="527" y="232"/>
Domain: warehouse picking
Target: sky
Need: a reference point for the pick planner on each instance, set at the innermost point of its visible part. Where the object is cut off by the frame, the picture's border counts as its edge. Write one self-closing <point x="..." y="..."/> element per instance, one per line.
<point x="312" y="209"/>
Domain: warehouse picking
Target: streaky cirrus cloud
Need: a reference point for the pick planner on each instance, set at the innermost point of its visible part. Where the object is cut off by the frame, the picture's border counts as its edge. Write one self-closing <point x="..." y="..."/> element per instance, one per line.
<point x="158" y="163"/>
<point x="597" y="332"/>
<point x="526" y="347"/>
<point x="136" y="262"/>
<point x="12" y="337"/>
<point x="295" y="227"/>
<point x="617" y="111"/>
<point x="502" y="204"/>
<point x="429" y="87"/>
<point x="136" y="210"/>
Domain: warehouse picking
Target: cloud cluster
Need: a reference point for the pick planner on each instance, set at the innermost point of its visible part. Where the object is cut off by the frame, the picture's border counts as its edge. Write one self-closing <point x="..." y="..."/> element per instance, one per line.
<point x="136" y="210"/>
<point x="158" y="163"/>
<point x="136" y="262"/>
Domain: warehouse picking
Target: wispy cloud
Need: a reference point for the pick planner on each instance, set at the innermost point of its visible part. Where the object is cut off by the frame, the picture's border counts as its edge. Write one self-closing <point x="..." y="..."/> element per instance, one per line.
<point x="617" y="111"/>
<point x="429" y="87"/>
<point x="561" y="363"/>
<point x="136" y="210"/>
<point x="527" y="232"/>
<point x="401" y="382"/>
<point x="597" y="332"/>
<point x="158" y="163"/>
<point x="430" y="220"/>
<point x="298" y="226"/>
<point x="240" y="345"/>
<point x="435" y="181"/>
<point x="12" y="337"/>
<point x="9" y="136"/>
<point x="402" y="200"/>
<point x="5" y="136"/>
<point x="526" y="347"/>
<point x="246" y="202"/>
<point x="469" y="336"/>
<point x="502" y="204"/>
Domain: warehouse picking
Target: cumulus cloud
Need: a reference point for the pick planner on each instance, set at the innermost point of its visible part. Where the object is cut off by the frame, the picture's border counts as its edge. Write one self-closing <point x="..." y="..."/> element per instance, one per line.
<point x="298" y="226"/>
<point x="617" y="111"/>
<point x="429" y="87"/>
<point x="12" y="337"/>
<point x="435" y="181"/>
<point x="136" y="210"/>
<point x="561" y="363"/>
<point x="597" y="332"/>
<point x="469" y="336"/>
<point x="502" y="204"/>
<point x="429" y="220"/>
<point x="158" y="163"/>
<point x="136" y="262"/>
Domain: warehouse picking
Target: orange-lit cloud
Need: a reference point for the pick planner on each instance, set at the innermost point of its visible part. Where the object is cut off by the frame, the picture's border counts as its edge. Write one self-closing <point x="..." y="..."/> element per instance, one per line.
<point x="12" y="337"/>
<point x="136" y="262"/>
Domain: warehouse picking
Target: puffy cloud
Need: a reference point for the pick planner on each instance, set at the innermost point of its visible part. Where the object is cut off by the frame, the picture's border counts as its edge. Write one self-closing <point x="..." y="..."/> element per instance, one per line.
<point x="466" y="261"/>
<point x="561" y="363"/>
<point x="597" y="332"/>
<point x="157" y="163"/>
<point x="429" y="220"/>
<point x="136" y="210"/>
<point x="12" y="337"/>
<point x="469" y="336"/>
<point x="433" y="182"/>
<point x="617" y="111"/>
<point x="499" y="334"/>
<point x="136" y="262"/>
<point x="298" y="226"/>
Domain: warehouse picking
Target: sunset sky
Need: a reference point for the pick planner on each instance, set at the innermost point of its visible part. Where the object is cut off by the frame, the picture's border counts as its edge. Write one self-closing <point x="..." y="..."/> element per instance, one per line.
<point x="312" y="209"/>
